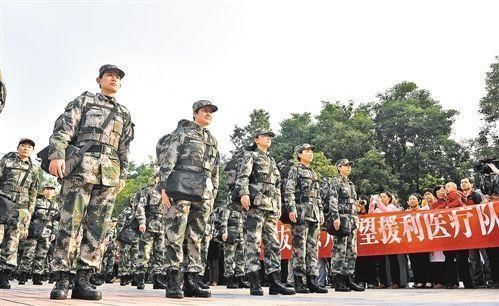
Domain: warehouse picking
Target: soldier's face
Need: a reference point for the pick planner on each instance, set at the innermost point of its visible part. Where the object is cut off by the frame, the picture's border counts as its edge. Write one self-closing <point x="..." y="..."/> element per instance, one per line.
<point x="203" y="116"/>
<point x="110" y="83"/>
<point x="345" y="170"/>
<point x="48" y="193"/>
<point x="263" y="141"/>
<point x="25" y="149"/>
<point x="306" y="155"/>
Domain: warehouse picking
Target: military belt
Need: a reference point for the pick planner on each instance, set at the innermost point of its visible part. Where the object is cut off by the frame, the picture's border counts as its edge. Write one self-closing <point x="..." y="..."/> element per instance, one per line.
<point x="104" y="149"/>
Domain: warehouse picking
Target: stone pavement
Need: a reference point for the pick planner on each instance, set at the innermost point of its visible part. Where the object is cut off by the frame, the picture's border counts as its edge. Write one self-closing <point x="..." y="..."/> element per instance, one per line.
<point x="116" y="295"/>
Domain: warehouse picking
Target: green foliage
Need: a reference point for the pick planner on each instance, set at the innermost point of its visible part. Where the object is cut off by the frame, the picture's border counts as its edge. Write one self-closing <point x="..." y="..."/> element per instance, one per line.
<point x="139" y="177"/>
<point x="243" y="136"/>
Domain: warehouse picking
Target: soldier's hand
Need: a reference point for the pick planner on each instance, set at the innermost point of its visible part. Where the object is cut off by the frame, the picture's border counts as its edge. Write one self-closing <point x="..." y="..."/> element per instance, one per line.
<point x="292" y="217"/>
<point x="142" y="228"/>
<point x="321" y="219"/>
<point x="166" y="199"/>
<point x="225" y="236"/>
<point x="245" y="201"/>
<point x="121" y="185"/>
<point x="336" y="224"/>
<point x="57" y="167"/>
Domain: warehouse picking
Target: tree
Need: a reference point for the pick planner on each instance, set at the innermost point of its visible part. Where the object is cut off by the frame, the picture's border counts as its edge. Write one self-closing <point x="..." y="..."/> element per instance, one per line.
<point x="296" y="130"/>
<point x="243" y="136"/>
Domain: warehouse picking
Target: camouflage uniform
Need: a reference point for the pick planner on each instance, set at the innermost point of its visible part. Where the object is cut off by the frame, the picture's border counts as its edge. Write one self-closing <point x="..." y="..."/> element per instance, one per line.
<point x="90" y="190"/>
<point x="127" y="262"/>
<point x="341" y="200"/>
<point x="3" y="93"/>
<point x="107" y="266"/>
<point x="150" y="212"/>
<point x="36" y="248"/>
<point x="12" y="172"/>
<point x="259" y="178"/>
<point x="190" y="148"/>
<point x="301" y="195"/>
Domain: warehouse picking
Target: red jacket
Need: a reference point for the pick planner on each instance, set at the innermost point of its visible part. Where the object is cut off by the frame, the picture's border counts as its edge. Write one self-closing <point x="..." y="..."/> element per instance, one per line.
<point x="455" y="199"/>
<point x="439" y="204"/>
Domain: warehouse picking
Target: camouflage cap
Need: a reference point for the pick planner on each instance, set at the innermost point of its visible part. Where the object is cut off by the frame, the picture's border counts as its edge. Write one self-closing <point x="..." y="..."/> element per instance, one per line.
<point x="302" y="147"/>
<point x="343" y="162"/>
<point x="202" y="103"/>
<point x="26" y="140"/>
<point x="49" y="186"/>
<point x="114" y="219"/>
<point x="109" y="67"/>
<point x="263" y="132"/>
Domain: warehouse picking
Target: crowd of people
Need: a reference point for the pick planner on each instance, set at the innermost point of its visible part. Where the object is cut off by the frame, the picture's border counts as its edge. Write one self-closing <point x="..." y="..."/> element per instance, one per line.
<point x="172" y="235"/>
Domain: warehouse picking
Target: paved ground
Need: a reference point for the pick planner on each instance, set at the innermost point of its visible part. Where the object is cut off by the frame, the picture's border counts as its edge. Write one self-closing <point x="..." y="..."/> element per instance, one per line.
<point x="116" y="295"/>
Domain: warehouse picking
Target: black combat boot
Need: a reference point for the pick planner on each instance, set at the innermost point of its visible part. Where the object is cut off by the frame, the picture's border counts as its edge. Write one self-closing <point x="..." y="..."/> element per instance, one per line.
<point x="231" y="283"/>
<point x="37" y="279"/>
<point x="299" y="285"/>
<point x="51" y="277"/>
<point x="241" y="283"/>
<point x="340" y="283"/>
<point x="82" y="289"/>
<point x="124" y="280"/>
<point x="4" y="279"/>
<point x="109" y="278"/>
<point x="23" y="278"/>
<point x="277" y="287"/>
<point x="254" y="279"/>
<point x="173" y="290"/>
<point x="158" y="281"/>
<point x="202" y="284"/>
<point x="313" y="286"/>
<point x="139" y="279"/>
<point x="61" y="287"/>
<point x="97" y="279"/>
<point x="192" y="288"/>
<point x="133" y="280"/>
<point x="351" y="284"/>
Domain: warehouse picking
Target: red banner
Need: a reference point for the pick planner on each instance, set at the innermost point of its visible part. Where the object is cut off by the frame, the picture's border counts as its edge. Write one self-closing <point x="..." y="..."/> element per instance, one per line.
<point x="469" y="227"/>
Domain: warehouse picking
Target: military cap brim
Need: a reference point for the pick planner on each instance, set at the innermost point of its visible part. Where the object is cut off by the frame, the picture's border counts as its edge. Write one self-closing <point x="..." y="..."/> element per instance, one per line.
<point x="26" y="140"/>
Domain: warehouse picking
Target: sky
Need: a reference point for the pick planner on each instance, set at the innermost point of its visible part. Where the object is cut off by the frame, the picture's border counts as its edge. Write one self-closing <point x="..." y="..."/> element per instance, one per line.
<point x="283" y="56"/>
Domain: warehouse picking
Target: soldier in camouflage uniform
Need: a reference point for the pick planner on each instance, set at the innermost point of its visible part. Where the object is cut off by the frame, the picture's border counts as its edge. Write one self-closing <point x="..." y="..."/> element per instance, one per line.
<point x="44" y="224"/>
<point x="341" y="197"/>
<point x="90" y="190"/>
<point x="232" y="226"/>
<point x="3" y="93"/>
<point x="128" y="255"/>
<point x="107" y="268"/>
<point x="189" y="174"/>
<point x="150" y="213"/>
<point x="302" y="197"/>
<point x="258" y="184"/>
<point x="19" y="182"/>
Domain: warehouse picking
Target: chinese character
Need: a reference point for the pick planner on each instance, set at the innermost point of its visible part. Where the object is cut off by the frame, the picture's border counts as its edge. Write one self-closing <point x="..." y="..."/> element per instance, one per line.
<point x="412" y="225"/>
<point x="367" y="231"/>
<point x="485" y="220"/>
<point x="389" y="229"/>
<point x="454" y="218"/>
<point x="433" y="224"/>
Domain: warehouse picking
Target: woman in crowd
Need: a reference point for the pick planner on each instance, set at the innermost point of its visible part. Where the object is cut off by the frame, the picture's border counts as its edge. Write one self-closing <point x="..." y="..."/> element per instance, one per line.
<point x="365" y="266"/>
<point x="381" y="205"/>
<point x="420" y="262"/>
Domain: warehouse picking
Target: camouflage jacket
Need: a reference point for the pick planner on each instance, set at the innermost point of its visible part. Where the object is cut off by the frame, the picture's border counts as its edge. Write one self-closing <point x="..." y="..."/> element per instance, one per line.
<point x="341" y="196"/>
<point x="111" y="239"/>
<point x="12" y="172"/>
<point x="125" y="218"/>
<point x="3" y="95"/>
<point x="80" y="123"/>
<point x="47" y="211"/>
<point x="302" y="193"/>
<point x="259" y="178"/>
<point x="192" y="148"/>
<point x="151" y="210"/>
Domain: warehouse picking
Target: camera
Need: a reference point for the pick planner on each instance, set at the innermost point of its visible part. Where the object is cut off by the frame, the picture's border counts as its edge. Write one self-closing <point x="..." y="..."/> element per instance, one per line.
<point x="488" y="181"/>
<point x="482" y="166"/>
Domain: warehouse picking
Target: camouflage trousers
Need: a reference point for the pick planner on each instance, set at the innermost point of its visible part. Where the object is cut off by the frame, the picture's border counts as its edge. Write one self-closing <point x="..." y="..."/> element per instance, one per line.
<point x="129" y="254"/>
<point x="305" y="248"/>
<point x="151" y="243"/>
<point x="85" y="220"/>
<point x="48" y="258"/>
<point x="262" y="225"/>
<point x="234" y="260"/>
<point x="186" y="220"/>
<point x="107" y="266"/>
<point x="344" y="254"/>
<point x="10" y="243"/>
<point x="34" y="256"/>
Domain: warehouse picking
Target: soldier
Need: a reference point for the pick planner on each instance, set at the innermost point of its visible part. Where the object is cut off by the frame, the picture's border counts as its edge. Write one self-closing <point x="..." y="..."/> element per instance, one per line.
<point x="150" y="214"/>
<point x="107" y="268"/>
<point x="189" y="174"/>
<point x="44" y="224"/>
<point x="232" y="226"/>
<point x="19" y="183"/>
<point x="3" y="93"/>
<point x="342" y="196"/>
<point x="127" y="237"/>
<point x="258" y="183"/>
<point x="302" y="197"/>
<point x="102" y="126"/>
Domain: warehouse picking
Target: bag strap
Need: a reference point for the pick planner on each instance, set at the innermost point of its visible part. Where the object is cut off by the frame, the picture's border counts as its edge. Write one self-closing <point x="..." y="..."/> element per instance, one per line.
<point x="103" y="127"/>
<point x="27" y="173"/>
